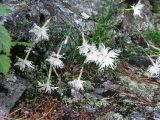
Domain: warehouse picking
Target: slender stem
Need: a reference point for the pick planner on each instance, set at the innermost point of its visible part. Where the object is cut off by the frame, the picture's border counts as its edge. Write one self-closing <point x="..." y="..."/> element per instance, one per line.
<point x="154" y="47"/>
<point x="59" y="48"/>
<point x="49" y="73"/>
<point x="55" y="72"/>
<point x="83" y="37"/>
<point x="46" y="23"/>
<point x="66" y="40"/>
<point x="128" y="9"/>
<point x="28" y="53"/>
<point x="158" y="55"/>
<point x="151" y="59"/>
<point x="80" y="74"/>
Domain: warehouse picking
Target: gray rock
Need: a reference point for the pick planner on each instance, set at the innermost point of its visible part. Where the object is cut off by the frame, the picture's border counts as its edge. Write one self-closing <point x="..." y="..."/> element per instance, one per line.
<point x="109" y="85"/>
<point x="71" y="12"/>
<point x="99" y="90"/>
<point x="64" y="12"/>
<point x="131" y="23"/>
<point x="156" y="113"/>
<point x="11" y="89"/>
<point x="137" y="116"/>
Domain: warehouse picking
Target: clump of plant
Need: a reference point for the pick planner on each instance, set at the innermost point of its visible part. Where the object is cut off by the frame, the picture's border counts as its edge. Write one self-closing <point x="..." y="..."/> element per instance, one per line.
<point x="153" y="40"/>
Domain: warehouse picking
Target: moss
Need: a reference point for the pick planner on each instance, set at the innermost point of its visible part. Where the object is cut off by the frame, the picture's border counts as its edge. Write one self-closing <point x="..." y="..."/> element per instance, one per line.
<point x="23" y="7"/>
<point x="140" y="89"/>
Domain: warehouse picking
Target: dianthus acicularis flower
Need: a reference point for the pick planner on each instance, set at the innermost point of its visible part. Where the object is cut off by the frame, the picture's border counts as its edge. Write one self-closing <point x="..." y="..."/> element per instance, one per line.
<point x="85" y="48"/>
<point x="138" y="9"/>
<point x="102" y="56"/>
<point x="154" y="69"/>
<point x="92" y="55"/>
<point x="23" y="63"/>
<point x="107" y="57"/>
<point x="46" y="87"/>
<point x="40" y="33"/>
<point x="77" y="84"/>
<point x="55" y="60"/>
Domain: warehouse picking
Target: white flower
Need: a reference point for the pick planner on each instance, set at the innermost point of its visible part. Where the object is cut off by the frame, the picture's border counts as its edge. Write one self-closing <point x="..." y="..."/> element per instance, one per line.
<point x="107" y="57"/>
<point x="47" y="87"/>
<point x="85" y="16"/>
<point x="103" y="57"/>
<point x="22" y="63"/>
<point x="92" y="55"/>
<point x="77" y="84"/>
<point x="154" y="69"/>
<point x="84" y="48"/>
<point x="138" y="9"/>
<point x="90" y="51"/>
<point x="40" y="32"/>
<point x="55" y="61"/>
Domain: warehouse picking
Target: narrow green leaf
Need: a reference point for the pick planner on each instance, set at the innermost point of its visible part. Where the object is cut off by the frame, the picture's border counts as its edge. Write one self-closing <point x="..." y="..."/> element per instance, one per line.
<point x="22" y="43"/>
<point x="153" y="36"/>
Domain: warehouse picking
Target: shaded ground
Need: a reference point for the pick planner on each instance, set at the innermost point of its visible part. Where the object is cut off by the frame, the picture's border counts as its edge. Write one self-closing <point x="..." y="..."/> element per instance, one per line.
<point x="122" y="101"/>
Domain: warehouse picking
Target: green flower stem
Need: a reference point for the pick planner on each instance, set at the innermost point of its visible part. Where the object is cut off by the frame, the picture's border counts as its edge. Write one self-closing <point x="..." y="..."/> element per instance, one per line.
<point x="80" y="74"/>
<point x="60" y="48"/>
<point x="157" y="55"/>
<point x="129" y="9"/>
<point x="28" y="53"/>
<point x="49" y="73"/>
<point x="83" y="37"/>
<point x="154" y="47"/>
<point x="151" y="59"/>
<point x="58" y="76"/>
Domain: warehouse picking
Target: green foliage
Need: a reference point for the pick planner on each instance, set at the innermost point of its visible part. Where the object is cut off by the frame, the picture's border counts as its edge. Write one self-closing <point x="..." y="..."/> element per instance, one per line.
<point x="153" y="36"/>
<point x="4" y="10"/>
<point x="155" y="7"/>
<point x="5" y="40"/>
<point x="22" y="43"/>
<point x="5" y="44"/>
<point x="5" y="47"/>
<point x="101" y="33"/>
<point x="5" y="64"/>
<point x="91" y="100"/>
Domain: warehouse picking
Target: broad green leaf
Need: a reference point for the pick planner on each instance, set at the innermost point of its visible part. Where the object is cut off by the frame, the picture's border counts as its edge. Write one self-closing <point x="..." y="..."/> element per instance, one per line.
<point x="4" y="10"/>
<point x="5" y="64"/>
<point x="5" y="40"/>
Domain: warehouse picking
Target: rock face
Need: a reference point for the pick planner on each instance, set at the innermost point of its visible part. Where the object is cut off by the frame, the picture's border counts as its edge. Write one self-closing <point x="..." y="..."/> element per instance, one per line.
<point x="76" y="13"/>
<point x="71" y="13"/>
<point x="11" y="89"/>
<point x="131" y="23"/>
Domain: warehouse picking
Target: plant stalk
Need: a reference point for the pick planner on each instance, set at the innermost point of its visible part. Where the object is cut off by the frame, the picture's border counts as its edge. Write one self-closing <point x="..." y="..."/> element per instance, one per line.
<point x="80" y="74"/>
